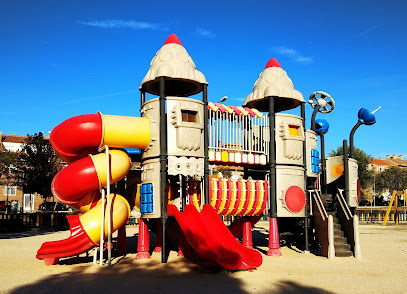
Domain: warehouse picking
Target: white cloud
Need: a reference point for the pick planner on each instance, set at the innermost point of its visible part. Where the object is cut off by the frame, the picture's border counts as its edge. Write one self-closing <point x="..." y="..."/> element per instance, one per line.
<point x="293" y="55"/>
<point x="373" y="28"/>
<point x="204" y="33"/>
<point x="122" y="24"/>
<point x="99" y="96"/>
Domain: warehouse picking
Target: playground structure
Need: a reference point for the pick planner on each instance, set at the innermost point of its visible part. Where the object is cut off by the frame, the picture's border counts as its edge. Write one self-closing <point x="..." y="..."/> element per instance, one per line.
<point x="181" y="138"/>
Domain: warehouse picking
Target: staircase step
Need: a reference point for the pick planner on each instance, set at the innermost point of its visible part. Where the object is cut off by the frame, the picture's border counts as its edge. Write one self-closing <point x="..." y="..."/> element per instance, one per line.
<point x="338" y="233"/>
<point x="343" y="254"/>
<point x="342" y="247"/>
<point x="340" y="240"/>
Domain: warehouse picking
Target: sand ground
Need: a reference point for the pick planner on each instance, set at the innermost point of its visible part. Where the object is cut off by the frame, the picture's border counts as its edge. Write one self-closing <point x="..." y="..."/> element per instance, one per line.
<point x="383" y="269"/>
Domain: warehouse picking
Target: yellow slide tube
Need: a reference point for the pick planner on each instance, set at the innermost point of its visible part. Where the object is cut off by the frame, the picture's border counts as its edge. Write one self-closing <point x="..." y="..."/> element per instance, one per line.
<point x="120" y="165"/>
<point x="125" y="131"/>
<point x="91" y="220"/>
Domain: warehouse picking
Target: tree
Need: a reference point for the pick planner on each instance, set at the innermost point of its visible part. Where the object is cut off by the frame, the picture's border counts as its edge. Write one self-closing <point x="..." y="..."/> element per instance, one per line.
<point x="39" y="165"/>
<point x="365" y="176"/>
<point x="8" y="164"/>
<point x="394" y="178"/>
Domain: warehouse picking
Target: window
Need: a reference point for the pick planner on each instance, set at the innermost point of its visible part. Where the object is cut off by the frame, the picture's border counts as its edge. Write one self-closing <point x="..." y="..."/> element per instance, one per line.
<point x="10" y="190"/>
<point x="189" y="116"/>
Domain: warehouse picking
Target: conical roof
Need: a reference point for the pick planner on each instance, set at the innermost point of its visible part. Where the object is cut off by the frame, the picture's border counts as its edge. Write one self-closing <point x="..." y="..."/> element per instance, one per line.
<point x="273" y="82"/>
<point x="173" y="62"/>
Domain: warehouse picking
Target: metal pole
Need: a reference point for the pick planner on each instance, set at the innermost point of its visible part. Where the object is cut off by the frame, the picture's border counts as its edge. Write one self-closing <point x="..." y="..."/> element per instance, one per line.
<point x="346" y="170"/>
<point x="304" y="162"/>
<point x="314" y="114"/>
<point x="163" y="165"/>
<point x="272" y="160"/>
<point x="206" y="144"/>
<point x="109" y="209"/>
<point x="102" y="229"/>
<point x="142" y="98"/>
<point x="352" y="133"/>
<point x="323" y="162"/>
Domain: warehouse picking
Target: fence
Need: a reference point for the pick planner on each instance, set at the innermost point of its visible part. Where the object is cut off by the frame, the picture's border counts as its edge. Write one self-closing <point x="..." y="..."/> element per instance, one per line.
<point x="379" y="217"/>
<point x="20" y="221"/>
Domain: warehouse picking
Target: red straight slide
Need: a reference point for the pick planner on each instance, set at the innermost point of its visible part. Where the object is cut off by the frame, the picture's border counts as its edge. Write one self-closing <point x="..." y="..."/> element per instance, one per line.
<point x="212" y="240"/>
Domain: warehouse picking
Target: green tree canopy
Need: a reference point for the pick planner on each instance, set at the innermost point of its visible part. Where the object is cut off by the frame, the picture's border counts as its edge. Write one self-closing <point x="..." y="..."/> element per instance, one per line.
<point x="39" y="165"/>
<point x="365" y="176"/>
<point x="394" y="178"/>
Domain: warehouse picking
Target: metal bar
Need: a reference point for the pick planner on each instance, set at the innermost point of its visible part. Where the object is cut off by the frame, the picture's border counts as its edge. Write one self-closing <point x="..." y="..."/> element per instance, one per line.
<point x="206" y="139"/>
<point x="109" y="209"/>
<point x="272" y="160"/>
<point x="346" y="170"/>
<point x="163" y="166"/>
<point x="102" y="228"/>
<point x="304" y="161"/>
<point x="352" y="134"/>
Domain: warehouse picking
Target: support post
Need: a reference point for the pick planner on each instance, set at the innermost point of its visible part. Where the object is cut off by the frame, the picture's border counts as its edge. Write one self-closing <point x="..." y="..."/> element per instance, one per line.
<point x="274" y="240"/>
<point x="206" y="144"/>
<point x="163" y="165"/>
<point x="247" y="240"/>
<point x="346" y="170"/>
<point x="323" y="162"/>
<point x="143" y="242"/>
<point x="304" y="152"/>
<point x="352" y="134"/>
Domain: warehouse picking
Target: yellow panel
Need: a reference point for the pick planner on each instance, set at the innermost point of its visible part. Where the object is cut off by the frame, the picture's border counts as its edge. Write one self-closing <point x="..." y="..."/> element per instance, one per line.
<point x="252" y="193"/>
<point x="225" y="156"/>
<point x="337" y="170"/>
<point x="293" y="130"/>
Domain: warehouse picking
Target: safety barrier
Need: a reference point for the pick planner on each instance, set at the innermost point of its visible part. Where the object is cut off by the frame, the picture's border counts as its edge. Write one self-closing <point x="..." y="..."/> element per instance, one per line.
<point x="379" y="217"/>
<point x="19" y="221"/>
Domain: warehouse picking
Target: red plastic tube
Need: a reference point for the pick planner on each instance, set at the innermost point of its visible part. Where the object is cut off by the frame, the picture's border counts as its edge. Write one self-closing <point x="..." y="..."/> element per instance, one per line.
<point x="77" y="137"/>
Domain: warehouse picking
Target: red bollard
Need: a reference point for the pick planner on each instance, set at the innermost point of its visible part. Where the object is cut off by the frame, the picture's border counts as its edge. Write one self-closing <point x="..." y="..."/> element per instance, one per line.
<point x="122" y="240"/>
<point x="143" y="242"/>
<point x="247" y="235"/>
<point x="158" y="237"/>
<point x="274" y="240"/>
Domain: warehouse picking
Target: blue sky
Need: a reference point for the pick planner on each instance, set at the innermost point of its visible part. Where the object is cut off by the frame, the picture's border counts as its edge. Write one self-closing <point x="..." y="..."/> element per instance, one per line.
<point x="63" y="58"/>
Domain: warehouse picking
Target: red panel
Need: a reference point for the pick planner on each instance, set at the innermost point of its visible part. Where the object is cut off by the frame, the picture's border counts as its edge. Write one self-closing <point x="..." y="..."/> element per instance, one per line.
<point x="295" y="199"/>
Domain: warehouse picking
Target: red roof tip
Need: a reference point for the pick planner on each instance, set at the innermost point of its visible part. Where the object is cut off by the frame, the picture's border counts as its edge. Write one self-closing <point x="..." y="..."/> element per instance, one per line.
<point x="272" y="63"/>
<point x="173" y="39"/>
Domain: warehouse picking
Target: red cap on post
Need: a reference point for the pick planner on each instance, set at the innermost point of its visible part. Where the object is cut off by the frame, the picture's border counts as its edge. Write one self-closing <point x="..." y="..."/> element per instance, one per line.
<point x="272" y="63"/>
<point x="173" y="39"/>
